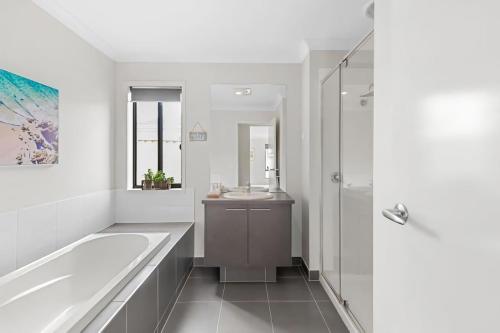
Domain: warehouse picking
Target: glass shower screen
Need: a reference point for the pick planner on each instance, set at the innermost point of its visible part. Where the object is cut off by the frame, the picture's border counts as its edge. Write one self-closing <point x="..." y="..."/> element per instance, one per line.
<point x="330" y="210"/>
<point x="347" y="185"/>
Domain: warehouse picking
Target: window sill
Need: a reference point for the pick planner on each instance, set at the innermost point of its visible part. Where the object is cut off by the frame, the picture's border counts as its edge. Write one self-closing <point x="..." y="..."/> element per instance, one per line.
<point x="161" y="191"/>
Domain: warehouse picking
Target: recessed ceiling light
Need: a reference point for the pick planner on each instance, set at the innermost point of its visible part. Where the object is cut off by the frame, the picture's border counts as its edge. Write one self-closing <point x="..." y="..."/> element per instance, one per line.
<point x="344" y="93"/>
<point x="242" y="91"/>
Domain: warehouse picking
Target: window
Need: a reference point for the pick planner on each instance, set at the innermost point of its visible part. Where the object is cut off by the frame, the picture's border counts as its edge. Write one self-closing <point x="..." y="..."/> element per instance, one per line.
<point x="156" y="133"/>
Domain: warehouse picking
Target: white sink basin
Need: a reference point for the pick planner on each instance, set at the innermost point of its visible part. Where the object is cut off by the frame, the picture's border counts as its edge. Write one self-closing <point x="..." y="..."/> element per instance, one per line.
<point x="253" y="189"/>
<point x="248" y="196"/>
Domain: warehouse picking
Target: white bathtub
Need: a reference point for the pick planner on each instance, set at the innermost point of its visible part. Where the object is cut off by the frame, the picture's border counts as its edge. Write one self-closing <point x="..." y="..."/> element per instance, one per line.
<point x="63" y="291"/>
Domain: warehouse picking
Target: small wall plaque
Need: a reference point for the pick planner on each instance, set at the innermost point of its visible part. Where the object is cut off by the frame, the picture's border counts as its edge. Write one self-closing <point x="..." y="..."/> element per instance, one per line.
<point x="197" y="133"/>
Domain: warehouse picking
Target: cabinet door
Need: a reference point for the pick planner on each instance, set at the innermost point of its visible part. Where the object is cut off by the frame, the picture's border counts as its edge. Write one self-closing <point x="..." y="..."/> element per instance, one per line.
<point x="269" y="235"/>
<point x="226" y="235"/>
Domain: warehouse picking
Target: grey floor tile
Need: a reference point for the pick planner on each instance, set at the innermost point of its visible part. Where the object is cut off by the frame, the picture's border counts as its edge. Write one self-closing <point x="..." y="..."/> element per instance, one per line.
<point x="205" y="272"/>
<point x="289" y="290"/>
<point x="245" y="291"/>
<point x="292" y="271"/>
<point x="193" y="318"/>
<point x="332" y="317"/>
<point x="200" y="289"/>
<point x="318" y="292"/>
<point x="245" y="317"/>
<point x="297" y="317"/>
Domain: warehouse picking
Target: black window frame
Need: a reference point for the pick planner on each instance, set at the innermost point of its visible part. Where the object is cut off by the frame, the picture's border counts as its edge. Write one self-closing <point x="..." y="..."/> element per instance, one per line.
<point x="135" y="177"/>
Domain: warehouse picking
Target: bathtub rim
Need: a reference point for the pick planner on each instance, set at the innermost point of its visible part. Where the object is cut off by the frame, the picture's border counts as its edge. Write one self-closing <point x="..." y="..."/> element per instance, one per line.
<point x="91" y="308"/>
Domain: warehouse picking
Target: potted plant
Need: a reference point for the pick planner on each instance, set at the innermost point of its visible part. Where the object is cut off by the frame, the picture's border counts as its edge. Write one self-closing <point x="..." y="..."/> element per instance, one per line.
<point x="159" y="180"/>
<point x="170" y="181"/>
<point x="147" y="183"/>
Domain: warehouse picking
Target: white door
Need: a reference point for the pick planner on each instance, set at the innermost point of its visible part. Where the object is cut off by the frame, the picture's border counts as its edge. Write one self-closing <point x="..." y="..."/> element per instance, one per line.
<point x="437" y="150"/>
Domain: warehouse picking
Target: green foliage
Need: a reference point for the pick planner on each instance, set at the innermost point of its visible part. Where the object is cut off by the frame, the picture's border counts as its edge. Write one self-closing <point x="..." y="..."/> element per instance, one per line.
<point x="159" y="176"/>
<point x="170" y="180"/>
<point x="149" y="175"/>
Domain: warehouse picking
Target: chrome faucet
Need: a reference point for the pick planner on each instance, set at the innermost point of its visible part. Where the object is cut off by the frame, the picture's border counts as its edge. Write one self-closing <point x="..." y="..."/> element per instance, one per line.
<point x="249" y="188"/>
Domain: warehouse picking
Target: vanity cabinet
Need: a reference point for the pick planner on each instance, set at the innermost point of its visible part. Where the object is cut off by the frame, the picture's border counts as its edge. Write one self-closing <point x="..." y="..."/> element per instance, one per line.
<point x="248" y="234"/>
<point x="269" y="235"/>
<point x="226" y="234"/>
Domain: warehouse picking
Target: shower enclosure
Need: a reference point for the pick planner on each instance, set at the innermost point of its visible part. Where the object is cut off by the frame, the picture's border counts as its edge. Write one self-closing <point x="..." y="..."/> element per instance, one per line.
<point x="347" y="168"/>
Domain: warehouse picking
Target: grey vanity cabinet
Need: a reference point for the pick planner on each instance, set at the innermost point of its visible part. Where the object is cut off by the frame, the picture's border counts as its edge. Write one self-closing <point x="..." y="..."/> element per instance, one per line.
<point x="247" y="234"/>
<point x="269" y="235"/>
<point x="226" y="235"/>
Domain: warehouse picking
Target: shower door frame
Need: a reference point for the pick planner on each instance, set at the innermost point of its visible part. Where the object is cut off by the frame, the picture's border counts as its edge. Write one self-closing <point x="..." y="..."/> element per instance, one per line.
<point x="338" y="295"/>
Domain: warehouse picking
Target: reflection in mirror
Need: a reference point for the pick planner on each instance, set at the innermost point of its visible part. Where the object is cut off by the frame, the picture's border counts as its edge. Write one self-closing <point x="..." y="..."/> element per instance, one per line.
<point x="245" y="140"/>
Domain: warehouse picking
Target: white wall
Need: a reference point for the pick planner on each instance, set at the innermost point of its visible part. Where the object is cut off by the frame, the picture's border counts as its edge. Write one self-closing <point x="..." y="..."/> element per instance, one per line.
<point x="305" y="114"/>
<point x="223" y="142"/>
<point x="38" y="47"/>
<point x="198" y="78"/>
<point x="43" y="208"/>
<point x="311" y="151"/>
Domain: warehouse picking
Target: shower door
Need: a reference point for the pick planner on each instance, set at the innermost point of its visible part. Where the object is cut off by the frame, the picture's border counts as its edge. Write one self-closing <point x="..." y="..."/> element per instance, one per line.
<point x="356" y="189"/>
<point x="330" y="150"/>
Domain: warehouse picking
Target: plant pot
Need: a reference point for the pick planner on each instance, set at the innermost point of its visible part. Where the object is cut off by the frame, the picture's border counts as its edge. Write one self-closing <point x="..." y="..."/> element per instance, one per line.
<point x="158" y="185"/>
<point x="164" y="185"/>
<point x="147" y="184"/>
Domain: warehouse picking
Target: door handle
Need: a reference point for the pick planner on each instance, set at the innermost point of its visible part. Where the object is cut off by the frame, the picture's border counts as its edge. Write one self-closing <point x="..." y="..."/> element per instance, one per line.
<point x="398" y="214"/>
<point x="335" y="177"/>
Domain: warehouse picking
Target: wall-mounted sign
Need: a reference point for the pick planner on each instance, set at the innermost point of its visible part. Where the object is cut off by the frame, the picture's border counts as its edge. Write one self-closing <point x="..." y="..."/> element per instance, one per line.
<point x="197" y="133"/>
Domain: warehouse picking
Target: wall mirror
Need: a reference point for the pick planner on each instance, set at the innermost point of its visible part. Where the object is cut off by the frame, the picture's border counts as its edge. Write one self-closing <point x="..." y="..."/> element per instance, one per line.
<point x="246" y="136"/>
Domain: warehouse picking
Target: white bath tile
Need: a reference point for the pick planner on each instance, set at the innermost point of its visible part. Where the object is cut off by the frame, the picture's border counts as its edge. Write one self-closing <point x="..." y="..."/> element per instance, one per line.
<point x="83" y="215"/>
<point x="99" y="208"/>
<point x="70" y="222"/>
<point x="8" y="235"/>
<point x="36" y="235"/>
<point x="154" y="206"/>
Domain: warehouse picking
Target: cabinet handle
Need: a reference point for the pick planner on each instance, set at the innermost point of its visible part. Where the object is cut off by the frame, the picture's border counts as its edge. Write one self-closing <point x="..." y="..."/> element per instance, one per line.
<point x="261" y="209"/>
<point x="235" y="209"/>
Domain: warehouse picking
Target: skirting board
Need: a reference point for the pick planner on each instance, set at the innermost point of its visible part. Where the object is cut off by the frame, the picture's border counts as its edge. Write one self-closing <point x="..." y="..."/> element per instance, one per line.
<point x="311" y="275"/>
<point x="200" y="262"/>
<point x="349" y="323"/>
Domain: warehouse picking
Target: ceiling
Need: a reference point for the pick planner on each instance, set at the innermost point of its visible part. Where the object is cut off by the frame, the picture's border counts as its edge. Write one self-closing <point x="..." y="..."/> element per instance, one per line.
<point x="219" y="31"/>
<point x="264" y="97"/>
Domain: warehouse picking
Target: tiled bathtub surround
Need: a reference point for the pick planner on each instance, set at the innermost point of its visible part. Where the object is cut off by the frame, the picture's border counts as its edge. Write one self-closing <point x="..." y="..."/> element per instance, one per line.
<point x="144" y="304"/>
<point x="30" y="233"/>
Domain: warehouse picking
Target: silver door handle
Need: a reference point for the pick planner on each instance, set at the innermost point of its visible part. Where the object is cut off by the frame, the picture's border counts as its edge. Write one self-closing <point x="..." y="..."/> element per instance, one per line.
<point x="335" y="177"/>
<point x="398" y="214"/>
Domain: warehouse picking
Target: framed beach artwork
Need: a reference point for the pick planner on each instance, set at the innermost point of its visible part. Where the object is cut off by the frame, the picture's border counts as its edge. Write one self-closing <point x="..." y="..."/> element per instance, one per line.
<point x="29" y="121"/>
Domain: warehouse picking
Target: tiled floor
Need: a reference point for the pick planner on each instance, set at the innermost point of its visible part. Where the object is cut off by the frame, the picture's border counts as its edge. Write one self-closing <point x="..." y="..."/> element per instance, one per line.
<point x="290" y="305"/>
